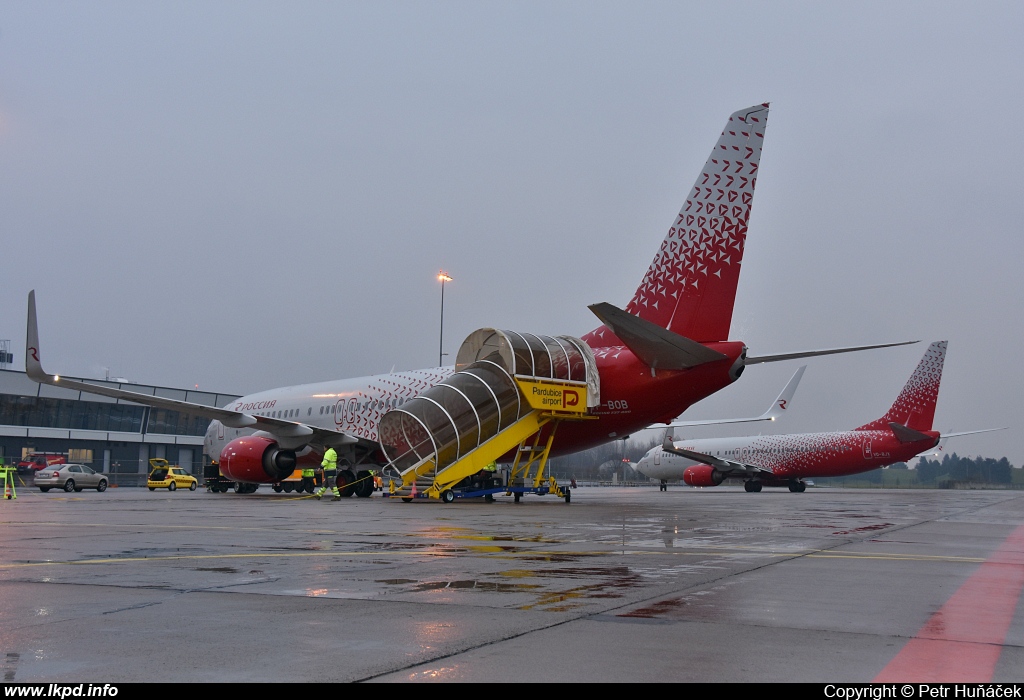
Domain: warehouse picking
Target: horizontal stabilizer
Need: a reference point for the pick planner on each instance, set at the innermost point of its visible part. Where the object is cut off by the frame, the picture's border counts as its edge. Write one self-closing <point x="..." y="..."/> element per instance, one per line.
<point x="905" y="434"/>
<point x="657" y="347"/>
<point x="973" y="432"/>
<point x="816" y="353"/>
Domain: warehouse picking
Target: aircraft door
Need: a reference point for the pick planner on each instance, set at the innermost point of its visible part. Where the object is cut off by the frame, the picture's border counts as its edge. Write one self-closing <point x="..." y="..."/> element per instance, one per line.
<point x="339" y="412"/>
<point x="349" y="410"/>
<point x="867" y="449"/>
<point x="657" y="457"/>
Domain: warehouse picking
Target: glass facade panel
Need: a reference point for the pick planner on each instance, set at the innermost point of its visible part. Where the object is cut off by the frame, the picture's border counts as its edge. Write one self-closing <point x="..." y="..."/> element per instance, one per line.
<point x="42" y="412"/>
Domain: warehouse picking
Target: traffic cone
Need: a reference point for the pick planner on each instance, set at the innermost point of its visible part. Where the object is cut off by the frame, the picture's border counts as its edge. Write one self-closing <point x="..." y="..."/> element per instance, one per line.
<point x="414" y="489"/>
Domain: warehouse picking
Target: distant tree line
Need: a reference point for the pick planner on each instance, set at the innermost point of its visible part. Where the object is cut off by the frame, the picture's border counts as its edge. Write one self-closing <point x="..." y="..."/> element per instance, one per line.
<point x="982" y="470"/>
<point x="950" y="471"/>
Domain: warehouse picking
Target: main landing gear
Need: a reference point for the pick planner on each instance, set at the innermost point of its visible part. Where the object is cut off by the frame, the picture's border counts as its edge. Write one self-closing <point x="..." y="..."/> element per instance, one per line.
<point x="752" y="486"/>
<point x="797" y="486"/>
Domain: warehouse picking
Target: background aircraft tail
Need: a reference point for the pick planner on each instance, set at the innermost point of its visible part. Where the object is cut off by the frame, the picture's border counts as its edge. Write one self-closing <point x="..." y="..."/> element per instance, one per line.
<point x="691" y="285"/>
<point x="915" y="406"/>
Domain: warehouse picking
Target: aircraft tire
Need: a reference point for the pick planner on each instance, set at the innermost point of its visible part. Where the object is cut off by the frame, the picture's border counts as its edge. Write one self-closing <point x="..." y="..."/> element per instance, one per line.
<point x="344" y="482"/>
<point x="364" y="487"/>
<point x="752" y="486"/>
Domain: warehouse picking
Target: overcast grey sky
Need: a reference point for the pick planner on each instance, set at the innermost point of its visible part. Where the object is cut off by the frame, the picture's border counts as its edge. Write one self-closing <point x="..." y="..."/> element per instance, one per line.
<point x="243" y="195"/>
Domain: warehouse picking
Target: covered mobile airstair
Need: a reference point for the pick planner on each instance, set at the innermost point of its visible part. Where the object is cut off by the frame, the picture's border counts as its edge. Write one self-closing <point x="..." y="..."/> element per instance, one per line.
<point x="509" y="392"/>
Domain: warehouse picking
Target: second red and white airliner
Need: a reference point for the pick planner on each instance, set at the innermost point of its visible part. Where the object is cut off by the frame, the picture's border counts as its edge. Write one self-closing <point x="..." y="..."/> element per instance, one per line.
<point x="788" y="460"/>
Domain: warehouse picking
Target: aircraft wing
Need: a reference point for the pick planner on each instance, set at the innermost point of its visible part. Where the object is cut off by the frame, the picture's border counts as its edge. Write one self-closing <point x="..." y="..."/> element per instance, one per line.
<point x="777" y="409"/>
<point x="233" y="419"/>
<point x="730" y="467"/>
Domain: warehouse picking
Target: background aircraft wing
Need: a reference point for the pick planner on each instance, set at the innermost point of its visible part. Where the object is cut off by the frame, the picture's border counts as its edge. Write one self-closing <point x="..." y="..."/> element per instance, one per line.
<point x="777" y="409"/>
<point x="230" y="418"/>
<point x="728" y="466"/>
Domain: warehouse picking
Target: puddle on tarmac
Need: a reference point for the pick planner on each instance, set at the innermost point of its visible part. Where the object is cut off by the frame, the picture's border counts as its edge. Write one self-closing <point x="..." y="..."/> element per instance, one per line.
<point x="471" y="584"/>
<point x="427" y="547"/>
<point x="218" y="569"/>
<point x="866" y="528"/>
<point x="657" y="609"/>
<point x="608" y="580"/>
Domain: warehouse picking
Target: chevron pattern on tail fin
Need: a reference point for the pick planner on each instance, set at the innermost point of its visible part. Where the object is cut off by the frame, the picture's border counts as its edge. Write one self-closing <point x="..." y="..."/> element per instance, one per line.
<point x="915" y="406"/>
<point x="690" y="286"/>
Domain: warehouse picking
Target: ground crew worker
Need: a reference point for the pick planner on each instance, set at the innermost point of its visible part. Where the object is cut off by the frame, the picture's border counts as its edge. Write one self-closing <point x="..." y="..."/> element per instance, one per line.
<point x="485" y="475"/>
<point x="330" y="465"/>
<point x="308" y="479"/>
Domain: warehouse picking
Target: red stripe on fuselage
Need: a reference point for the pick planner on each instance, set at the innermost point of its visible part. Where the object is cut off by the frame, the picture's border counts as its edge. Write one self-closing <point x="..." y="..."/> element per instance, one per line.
<point x="961" y="643"/>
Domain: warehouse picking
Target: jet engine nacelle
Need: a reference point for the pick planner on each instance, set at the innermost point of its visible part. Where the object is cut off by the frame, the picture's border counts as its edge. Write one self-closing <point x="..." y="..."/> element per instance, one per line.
<point x="256" y="460"/>
<point x="703" y="475"/>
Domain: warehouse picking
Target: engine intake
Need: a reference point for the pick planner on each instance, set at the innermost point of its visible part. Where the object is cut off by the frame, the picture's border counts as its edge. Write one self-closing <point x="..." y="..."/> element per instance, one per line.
<point x="256" y="460"/>
<point x="703" y="475"/>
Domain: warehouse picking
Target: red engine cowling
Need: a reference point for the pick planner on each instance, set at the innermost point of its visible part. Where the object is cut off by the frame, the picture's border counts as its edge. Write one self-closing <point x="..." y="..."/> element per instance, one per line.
<point x="703" y="475"/>
<point x="256" y="460"/>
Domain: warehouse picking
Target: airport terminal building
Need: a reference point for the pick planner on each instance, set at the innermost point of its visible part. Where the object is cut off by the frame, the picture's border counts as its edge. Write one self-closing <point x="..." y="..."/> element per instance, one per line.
<point x="112" y="436"/>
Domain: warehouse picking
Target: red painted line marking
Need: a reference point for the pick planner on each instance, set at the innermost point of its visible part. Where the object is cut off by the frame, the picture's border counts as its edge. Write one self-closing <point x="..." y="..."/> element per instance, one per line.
<point x="961" y="643"/>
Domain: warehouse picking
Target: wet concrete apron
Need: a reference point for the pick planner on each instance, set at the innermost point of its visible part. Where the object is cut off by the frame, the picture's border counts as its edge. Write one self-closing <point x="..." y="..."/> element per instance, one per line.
<point x="621" y="584"/>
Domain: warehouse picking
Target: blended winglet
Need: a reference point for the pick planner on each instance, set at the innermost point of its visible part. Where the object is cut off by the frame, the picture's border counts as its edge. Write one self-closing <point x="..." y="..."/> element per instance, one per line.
<point x="774" y="412"/>
<point x="233" y="419"/>
<point x="33" y="365"/>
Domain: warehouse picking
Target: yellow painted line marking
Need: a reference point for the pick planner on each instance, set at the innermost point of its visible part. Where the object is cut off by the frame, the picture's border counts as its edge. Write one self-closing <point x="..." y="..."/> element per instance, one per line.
<point x="504" y="555"/>
<point x="198" y="557"/>
<point x="163" y="527"/>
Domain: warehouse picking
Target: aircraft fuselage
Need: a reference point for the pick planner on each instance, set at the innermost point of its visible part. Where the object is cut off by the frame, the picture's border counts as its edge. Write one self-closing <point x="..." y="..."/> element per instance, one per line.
<point x="632" y="397"/>
<point x="797" y="456"/>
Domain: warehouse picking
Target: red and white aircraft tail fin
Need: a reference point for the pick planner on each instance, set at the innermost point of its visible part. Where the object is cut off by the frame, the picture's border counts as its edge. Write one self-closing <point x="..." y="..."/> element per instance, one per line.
<point x="915" y="406"/>
<point x="691" y="285"/>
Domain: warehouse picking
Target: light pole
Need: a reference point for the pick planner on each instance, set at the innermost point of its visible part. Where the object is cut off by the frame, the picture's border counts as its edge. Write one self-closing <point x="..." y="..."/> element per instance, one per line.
<point x="444" y="277"/>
